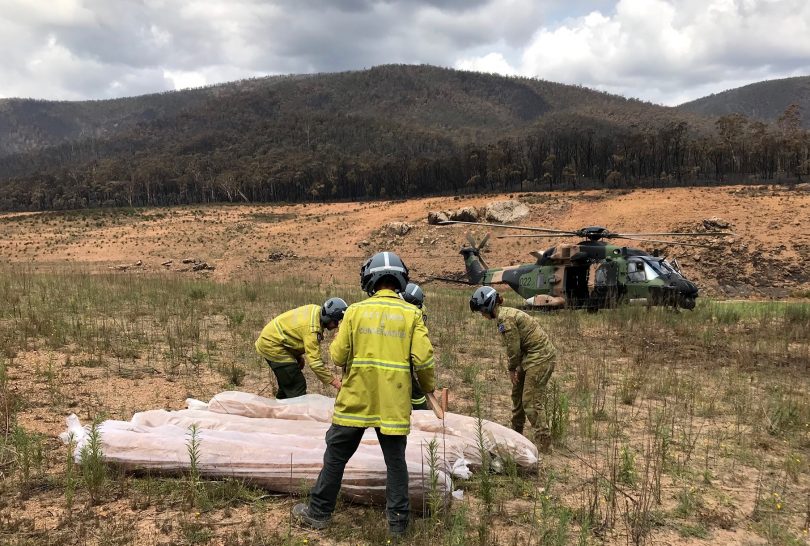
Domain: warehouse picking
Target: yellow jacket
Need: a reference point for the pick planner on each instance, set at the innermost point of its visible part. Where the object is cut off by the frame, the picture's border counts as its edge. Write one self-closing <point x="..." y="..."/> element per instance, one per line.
<point x="378" y="341"/>
<point x="527" y="345"/>
<point x="292" y="334"/>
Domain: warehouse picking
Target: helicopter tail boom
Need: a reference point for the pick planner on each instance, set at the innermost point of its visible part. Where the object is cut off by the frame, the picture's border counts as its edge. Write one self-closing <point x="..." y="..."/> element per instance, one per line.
<point x="472" y="263"/>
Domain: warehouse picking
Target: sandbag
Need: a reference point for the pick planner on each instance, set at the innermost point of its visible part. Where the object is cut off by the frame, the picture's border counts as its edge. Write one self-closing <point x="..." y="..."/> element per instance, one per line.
<point x="276" y="461"/>
<point x="450" y="449"/>
<point x="498" y="439"/>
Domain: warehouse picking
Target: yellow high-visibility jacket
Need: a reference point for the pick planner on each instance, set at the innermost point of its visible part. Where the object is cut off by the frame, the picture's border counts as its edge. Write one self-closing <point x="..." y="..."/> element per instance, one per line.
<point x="292" y="334"/>
<point x="527" y="344"/>
<point x="378" y="341"/>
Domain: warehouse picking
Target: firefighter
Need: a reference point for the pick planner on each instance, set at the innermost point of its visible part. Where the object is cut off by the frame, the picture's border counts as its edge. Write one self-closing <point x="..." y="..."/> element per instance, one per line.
<point x="530" y="356"/>
<point x="290" y="337"/>
<point x="379" y="341"/>
<point x="414" y="295"/>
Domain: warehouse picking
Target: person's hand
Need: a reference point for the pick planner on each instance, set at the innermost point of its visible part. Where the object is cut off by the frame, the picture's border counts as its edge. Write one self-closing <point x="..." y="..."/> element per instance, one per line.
<point x="337" y="383"/>
<point x="514" y="376"/>
<point x="301" y="362"/>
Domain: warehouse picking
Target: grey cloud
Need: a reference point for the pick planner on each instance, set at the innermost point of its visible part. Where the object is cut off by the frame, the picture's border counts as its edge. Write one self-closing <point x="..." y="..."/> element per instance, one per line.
<point x="102" y="48"/>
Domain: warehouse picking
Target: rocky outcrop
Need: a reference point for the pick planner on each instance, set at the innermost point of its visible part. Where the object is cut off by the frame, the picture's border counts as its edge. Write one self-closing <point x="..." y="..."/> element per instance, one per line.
<point x="716" y="223"/>
<point x="503" y="212"/>
<point x="397" y="229"/>
<point x="437" y="216"/>
<point x="466" y="214"/>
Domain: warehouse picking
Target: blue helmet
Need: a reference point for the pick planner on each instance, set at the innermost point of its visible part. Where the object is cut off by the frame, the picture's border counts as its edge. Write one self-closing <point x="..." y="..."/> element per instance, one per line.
<point x="383" y="264"/>
<point x="332" y="309"/>
<point x="413" y="294"/>
<point x="484" y="298"/>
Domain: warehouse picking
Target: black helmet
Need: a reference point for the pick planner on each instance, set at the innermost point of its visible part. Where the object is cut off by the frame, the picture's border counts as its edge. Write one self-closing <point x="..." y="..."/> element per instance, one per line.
<point x="332" y="309"/>
<point x="414" y="295"/>
<point x="383" y="264"/>
<point x="484" y="299"/>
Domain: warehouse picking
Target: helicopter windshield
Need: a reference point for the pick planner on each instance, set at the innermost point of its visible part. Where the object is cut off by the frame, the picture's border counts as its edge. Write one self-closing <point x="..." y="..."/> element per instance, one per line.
<point x="661" y="267"/>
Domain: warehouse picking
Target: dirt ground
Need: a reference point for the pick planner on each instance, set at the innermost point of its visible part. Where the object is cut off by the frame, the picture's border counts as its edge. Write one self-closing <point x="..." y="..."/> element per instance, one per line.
<point x="321" y="242"/>
<point x="325" y="243"/>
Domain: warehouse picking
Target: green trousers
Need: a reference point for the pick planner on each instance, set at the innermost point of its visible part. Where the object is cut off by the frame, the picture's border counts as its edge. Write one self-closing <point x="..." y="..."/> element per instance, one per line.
<point x="290" y="378"/>
<point x="529" y="402"/>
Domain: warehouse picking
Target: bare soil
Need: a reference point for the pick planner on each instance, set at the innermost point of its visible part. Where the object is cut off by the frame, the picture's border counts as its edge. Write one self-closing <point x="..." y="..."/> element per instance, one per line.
<point x="325" y="243"/>
<point x="766" y="257"/>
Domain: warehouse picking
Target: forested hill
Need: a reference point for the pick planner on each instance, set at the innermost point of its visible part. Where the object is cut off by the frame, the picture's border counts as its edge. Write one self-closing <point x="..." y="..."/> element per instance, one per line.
<point x="463" y="106"/>
<point x="766" y="101"/>
<point x="385" y="132"/>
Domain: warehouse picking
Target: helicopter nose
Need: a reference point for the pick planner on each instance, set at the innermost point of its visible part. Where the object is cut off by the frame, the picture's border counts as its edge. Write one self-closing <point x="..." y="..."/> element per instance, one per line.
<point x="685" y="288"/>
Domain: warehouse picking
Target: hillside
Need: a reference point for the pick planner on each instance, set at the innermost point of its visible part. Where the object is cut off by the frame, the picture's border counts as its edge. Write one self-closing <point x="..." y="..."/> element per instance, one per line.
<point x="765" y="101"/>
<point x="390" y="131"/>
<point x="453" y="103"/>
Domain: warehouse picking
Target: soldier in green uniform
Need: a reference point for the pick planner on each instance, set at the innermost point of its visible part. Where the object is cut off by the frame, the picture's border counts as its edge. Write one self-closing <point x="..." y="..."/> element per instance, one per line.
<point x="531" y="359"/>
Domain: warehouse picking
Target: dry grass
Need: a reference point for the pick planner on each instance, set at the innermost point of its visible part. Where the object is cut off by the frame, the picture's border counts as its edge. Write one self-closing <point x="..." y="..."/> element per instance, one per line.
<point x="670" y="427"/>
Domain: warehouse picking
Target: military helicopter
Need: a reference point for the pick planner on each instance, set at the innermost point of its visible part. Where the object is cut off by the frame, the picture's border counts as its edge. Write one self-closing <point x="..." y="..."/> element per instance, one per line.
<point x="591" y="274"/>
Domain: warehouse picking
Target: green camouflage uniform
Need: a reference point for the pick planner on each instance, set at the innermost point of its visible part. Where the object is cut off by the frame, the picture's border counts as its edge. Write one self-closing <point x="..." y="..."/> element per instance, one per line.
<point x="530" y="352"/>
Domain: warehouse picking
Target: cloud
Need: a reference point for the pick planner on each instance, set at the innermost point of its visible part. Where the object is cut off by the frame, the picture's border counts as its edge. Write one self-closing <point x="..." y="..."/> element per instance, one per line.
<point x="669" y="51"/>
<point x="660" y="50"/>
<point x="72" y="49"/>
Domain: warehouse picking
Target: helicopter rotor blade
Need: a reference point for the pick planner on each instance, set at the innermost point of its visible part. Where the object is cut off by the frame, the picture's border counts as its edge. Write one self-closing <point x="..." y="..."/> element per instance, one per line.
<point x="664" y="242"/>
<point x="483" y="242"/>
<point x="697" y="234"/>
<point x="471" y="240"/>
<point x="525" y="228"/>
<point x="535" y="236"/>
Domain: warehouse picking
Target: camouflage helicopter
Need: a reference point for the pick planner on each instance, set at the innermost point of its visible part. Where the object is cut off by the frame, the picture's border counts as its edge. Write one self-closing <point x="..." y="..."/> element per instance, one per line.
<point x="591" y="274"/>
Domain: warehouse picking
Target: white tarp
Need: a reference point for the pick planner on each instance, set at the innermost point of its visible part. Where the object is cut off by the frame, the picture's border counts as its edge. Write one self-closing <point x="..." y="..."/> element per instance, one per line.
<point x="279" y="444"/>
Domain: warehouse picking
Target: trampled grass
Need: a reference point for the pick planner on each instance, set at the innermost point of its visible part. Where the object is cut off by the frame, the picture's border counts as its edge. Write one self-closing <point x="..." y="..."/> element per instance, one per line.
<point x="668" y="426"/>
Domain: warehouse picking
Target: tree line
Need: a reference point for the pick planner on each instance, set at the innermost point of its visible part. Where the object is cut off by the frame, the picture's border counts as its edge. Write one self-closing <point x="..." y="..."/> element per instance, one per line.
<point x="335" y="157"/>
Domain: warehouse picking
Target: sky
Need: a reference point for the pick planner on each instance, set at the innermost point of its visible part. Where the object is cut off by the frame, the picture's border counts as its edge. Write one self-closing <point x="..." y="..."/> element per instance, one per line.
<point x="662" y="51"/>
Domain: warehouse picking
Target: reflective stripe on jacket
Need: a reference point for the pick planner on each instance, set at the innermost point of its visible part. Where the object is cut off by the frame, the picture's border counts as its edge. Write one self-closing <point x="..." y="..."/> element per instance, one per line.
<point x="527" y="344"/>
<point x="292" y="334"/>
<point x="378" y="341"/>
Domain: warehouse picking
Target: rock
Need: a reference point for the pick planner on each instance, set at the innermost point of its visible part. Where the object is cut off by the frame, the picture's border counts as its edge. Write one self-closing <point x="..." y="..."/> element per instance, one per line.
<point x="437" y="216"/>
<point x="139" y="263"/>
<point x="189" y="261"/>
<point x="199" y="266"/>
<point x="167" y="263"/>
<point x="804" y="186"/>
<point x="466" y="214"/>
<point x="503" y="212"/>
<point x="396" y="228"/>
<point x="363" y="243"/>
<point x="716" y="223"/>
<point x="278" y="255"/>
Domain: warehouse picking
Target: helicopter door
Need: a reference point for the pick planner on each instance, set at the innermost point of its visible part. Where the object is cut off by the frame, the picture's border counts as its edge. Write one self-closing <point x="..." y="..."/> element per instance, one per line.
<point x="576" y="285"/>
<point x="605" y="290"/>
<point x="636" y="279"/>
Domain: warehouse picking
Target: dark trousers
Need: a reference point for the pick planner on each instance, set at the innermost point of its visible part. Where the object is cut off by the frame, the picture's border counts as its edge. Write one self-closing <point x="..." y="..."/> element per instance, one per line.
<point x="290" y="378"/>
<point x="341" y="443"/>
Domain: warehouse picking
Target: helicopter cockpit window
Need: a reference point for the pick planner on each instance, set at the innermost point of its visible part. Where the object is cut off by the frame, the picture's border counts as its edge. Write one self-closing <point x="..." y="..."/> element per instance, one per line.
<point x="649" y="272"/>
<point x="662" y="267"/>
<point x="635" y="271"/>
